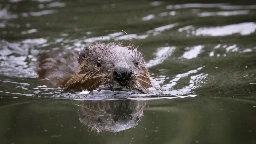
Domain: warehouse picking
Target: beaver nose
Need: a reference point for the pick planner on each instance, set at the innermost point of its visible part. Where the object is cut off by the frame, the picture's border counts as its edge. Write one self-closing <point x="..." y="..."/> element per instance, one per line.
<point x="122" y="75"/>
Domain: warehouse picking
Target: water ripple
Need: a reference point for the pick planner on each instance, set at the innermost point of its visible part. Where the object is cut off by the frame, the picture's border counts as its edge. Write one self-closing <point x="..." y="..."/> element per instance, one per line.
<point x="224" y="13"/>
<point x="213" y="5"/>
<point x="195" y="81"/>
<point x="192" y="52"/>
<point x="242" y="28"/>
<point x="5" y="14"/>
<point x="161" y="54"/>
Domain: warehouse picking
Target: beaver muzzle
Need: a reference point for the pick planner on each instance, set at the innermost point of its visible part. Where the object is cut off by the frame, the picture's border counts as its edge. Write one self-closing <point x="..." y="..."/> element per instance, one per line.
<point x="122" y="75"/>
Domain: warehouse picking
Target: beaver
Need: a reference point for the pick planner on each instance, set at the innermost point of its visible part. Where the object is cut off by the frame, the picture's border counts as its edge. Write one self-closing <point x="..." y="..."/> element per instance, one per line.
<point x="99" y="66"/>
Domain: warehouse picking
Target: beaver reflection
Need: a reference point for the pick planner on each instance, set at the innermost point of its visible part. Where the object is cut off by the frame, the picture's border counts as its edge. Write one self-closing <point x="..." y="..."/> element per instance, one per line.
<point x="111" y="115"/>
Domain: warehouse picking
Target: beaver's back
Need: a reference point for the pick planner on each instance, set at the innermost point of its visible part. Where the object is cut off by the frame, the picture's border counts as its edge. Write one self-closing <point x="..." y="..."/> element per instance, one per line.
<point x="57" y="66"/>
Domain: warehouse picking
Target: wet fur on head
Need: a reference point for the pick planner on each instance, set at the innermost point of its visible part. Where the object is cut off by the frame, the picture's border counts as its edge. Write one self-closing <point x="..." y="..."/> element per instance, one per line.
<point x="95" y="66"/>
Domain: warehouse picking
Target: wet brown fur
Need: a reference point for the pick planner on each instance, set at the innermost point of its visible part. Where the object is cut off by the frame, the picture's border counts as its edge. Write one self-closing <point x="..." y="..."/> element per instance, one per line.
<point x="93" y="67"/>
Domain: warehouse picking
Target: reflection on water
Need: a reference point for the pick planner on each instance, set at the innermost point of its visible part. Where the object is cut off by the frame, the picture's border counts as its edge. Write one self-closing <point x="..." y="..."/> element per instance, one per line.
<point x="204" y="120"/>
<point x="112" y="116"/>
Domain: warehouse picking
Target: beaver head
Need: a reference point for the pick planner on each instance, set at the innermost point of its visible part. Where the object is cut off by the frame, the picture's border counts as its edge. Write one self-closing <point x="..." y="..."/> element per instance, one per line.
<point x="110" y="66"/>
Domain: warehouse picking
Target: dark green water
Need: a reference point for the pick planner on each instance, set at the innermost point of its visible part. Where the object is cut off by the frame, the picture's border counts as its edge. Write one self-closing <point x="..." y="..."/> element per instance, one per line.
<point x="201" y="55"/>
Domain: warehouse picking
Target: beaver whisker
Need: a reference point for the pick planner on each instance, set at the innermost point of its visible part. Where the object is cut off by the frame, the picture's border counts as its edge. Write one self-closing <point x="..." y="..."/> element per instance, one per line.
<point x="78" y="77"/>
<point x="140" y="88"/>
<point x="106" y="75"/>
<point x="141" y="80"/>
<point x="85" y="72"/>
<point x="92" y="73"/>
<point x="96" y="83"/>
<point x="71" y="80"/>
<point x="143" y="76"/>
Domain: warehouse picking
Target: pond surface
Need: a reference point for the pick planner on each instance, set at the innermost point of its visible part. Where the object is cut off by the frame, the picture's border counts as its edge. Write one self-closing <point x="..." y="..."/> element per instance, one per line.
<point x="201" y="56"/>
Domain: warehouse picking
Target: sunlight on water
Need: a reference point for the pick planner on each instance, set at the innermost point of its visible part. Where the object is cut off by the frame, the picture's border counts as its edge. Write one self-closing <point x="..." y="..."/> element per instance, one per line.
<point x="119" y="36"/>
<point x="158" y="30"/>
<point x="131" y="36"/>
<point x="218" y="5"/>
<point x="156" y="3"/>
<point x="242" y="28"/>
<point x="16" y="57"/>
<point x="192" y="52"/>
<point x="148" y="17"/>
<point x="224" y="13"/>
<point x="195" y="81"/>
<point x="43" y="1"/>
<point x="5" y="14"/>
<point x="29" y="31"/>
<point x="161" y="54"/>
<point x="56" y="4"/>
<point x="229" y="49"/>
<point x="35" y="41"/>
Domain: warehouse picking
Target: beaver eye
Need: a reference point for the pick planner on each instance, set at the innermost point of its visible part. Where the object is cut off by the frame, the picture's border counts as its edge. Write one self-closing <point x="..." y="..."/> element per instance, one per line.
<point x="136" y="63"/>
<point x="98" y="63"/>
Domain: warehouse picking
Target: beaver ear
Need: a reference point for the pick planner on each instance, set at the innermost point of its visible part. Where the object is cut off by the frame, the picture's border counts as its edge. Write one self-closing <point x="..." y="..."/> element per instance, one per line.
<point x="82" y="55"/>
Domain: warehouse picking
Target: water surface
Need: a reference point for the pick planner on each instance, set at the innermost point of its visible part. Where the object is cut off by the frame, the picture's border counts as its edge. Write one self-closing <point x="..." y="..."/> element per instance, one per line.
<point x="200" y="55"/>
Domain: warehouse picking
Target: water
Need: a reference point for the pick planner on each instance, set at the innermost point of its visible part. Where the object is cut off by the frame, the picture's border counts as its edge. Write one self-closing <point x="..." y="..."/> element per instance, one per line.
<point x="201" y="55"/>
